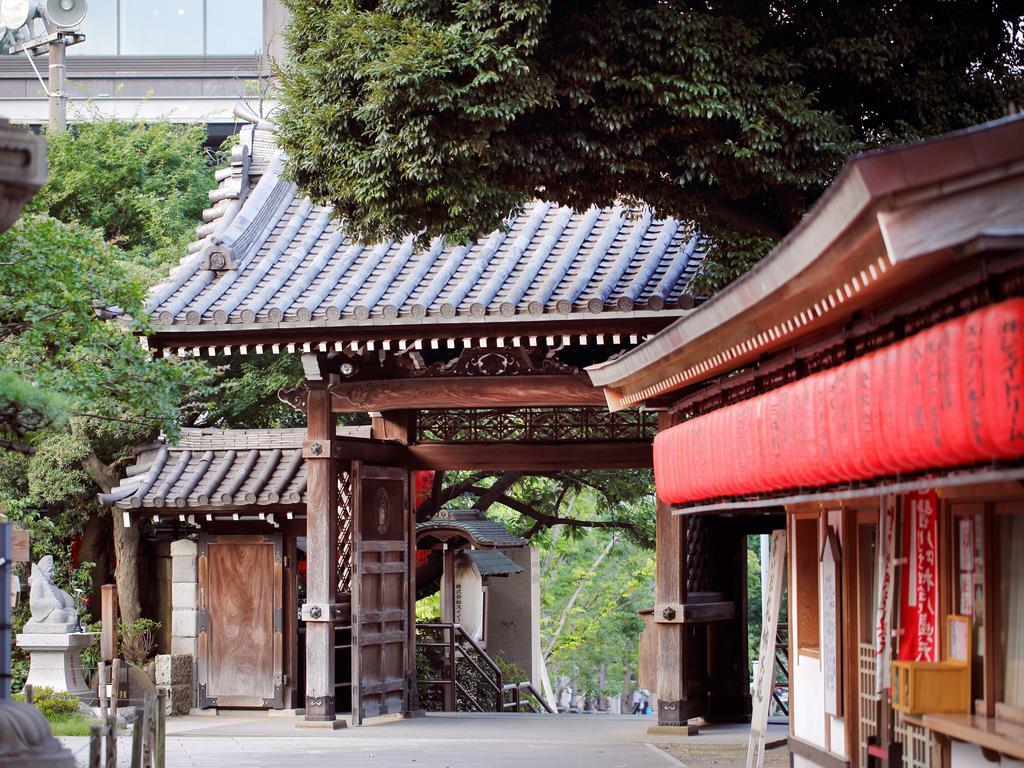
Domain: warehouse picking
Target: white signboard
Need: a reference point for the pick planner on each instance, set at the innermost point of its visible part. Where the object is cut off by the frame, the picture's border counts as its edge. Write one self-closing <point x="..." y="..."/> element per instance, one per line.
<point x="766" y="669"/>
<point x="830" y="612"/>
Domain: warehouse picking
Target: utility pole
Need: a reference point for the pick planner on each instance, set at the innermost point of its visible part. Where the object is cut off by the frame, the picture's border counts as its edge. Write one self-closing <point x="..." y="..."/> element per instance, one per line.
<point x="61" y="19"/>
<point x="55" y="87"/>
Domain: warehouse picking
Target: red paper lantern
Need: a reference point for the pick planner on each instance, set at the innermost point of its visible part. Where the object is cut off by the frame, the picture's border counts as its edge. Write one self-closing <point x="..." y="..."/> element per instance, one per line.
<point x="948" y="396"/>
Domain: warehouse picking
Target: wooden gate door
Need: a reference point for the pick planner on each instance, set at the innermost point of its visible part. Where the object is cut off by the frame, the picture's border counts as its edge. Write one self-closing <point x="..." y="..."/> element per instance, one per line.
<point x="240" y="621"/>
<point x="380" y="591"/>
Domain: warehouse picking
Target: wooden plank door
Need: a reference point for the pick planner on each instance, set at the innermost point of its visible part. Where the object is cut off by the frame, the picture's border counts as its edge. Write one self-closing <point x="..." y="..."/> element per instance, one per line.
<point x="380" y="591"/>
<point x="241" y="652"/>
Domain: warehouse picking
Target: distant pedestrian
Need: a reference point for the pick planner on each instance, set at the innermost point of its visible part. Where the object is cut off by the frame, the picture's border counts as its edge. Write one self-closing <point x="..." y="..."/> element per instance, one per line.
<point x="637" y="702"/>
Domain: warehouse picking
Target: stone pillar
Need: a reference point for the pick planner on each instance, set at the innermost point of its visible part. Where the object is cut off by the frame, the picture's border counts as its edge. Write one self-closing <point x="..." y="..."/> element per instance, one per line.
<point x="185" y="610"/>
<point x="513" y="614"/>
<point x="174" y="677"/>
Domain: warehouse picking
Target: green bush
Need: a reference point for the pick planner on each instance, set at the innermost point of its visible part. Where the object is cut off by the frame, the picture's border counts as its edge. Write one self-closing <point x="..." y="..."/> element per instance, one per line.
<point x="54" y="704"/>
<point x="138" y="640"/>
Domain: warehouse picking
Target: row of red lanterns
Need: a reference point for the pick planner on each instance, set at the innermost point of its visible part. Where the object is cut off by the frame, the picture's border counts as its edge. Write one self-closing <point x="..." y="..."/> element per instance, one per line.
<point x="950" y="395"/>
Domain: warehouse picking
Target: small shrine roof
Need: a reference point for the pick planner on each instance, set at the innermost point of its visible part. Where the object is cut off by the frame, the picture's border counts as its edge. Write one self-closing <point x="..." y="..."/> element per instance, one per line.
<point x="219" y="468"/>
<point x="267" y="259"/>
<point x="473" y="525"/>
<point x="491" y="563"/>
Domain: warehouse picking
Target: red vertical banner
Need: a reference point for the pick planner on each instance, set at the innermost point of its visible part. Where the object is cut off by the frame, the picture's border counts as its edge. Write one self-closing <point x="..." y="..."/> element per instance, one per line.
<point x="919" y="616"/>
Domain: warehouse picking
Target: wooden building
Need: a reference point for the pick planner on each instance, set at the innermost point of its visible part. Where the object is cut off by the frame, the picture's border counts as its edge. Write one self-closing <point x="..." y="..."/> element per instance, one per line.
<point x="865" y="381"/>
<point x="467" y="357"/>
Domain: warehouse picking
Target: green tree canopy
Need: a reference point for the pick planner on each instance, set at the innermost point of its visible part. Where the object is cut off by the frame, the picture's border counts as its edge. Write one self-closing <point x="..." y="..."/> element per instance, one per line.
<point x="440" y="118"/>
<point x="77" y="388"/>
<point x="60" y="285"/>
<point x="143" y="185"/>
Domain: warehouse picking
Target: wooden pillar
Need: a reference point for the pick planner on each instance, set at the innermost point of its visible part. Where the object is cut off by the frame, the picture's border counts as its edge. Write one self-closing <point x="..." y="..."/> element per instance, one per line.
<point x="399" y="426"/>
<point x="448" y="578"/>
<point x="849" y="647"/>
<point x="448" y="617"/>
<point x="321" y="553"/>
<point x="670" y="588"/>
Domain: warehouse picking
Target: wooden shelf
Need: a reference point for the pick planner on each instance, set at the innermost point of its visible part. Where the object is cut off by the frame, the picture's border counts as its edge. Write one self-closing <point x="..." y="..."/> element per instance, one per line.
<point x="1001" y="736"/>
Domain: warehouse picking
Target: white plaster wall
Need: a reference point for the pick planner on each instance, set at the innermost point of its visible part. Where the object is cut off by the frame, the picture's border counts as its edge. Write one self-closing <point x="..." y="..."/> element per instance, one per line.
<point x="963" y="755"/>
<point x="838" y="735"/>
<point x="807" y="686"/>
<point x="803" y="762"/>
<point x="807" y="691"/>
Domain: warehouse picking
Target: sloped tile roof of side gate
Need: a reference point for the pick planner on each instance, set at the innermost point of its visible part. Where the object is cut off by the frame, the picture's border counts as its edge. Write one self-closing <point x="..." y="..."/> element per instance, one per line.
<point x="267" y="258"/>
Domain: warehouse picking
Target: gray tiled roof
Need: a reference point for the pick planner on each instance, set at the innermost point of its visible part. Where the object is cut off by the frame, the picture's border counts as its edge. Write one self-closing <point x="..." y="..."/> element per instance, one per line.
<point x="211" y="468"/>
<point x="290" y="264"/>
<point x="474" y="524"/>
<point x="491" y="563"/>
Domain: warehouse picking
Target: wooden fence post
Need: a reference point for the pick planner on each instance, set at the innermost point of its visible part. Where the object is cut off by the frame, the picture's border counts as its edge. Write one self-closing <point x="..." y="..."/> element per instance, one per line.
<point x="95" y="737"/>
<point x="115" y="684"/>
<point x="101" y="689"/>
<point x="136" y="759"/>
<point x="147" y="733"/>
<point x="110" y="733"/>
<point x="29" y="699"/>
<point x="161" y="729"/>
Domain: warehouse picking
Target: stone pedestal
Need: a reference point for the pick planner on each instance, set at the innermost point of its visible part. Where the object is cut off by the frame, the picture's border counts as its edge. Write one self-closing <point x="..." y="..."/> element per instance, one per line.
<point x="56" y="662"/>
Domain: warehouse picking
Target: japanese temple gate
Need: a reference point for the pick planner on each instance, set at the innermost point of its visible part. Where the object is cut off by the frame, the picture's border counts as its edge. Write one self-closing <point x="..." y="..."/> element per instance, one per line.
<point x="466" y="358"/>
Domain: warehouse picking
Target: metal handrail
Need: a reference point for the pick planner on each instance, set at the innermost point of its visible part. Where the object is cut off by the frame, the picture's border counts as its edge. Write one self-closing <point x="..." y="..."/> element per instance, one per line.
<point x="456" y="650"/>
<point x="518" y="703"/>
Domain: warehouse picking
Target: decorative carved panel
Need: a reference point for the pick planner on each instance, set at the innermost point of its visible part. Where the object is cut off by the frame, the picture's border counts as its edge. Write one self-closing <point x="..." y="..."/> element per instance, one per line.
<point x="295" y="397"/>
<point x="514" y="361"/>
<point x="534" y="425"/>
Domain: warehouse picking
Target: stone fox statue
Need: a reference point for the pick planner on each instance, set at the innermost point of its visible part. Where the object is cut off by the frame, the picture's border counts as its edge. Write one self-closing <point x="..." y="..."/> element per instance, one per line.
<point x="53" y="609"/>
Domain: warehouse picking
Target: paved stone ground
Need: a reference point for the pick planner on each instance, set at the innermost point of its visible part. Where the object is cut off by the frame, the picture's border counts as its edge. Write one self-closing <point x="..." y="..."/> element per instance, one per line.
<point x="723" y="755"/>
<point x="441" y="741"/>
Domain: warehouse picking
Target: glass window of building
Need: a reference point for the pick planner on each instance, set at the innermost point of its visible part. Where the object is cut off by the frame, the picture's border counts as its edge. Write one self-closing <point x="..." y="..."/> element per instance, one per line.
<point x="161" y="27"/>
<point x="172" y="28"/>
<point x="234" y="27"/>
<point x="100" y="29"/>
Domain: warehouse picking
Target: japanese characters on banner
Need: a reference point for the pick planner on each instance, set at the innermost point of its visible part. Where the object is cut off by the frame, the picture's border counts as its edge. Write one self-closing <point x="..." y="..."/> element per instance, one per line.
<point x="919" y="619"/>
<point x="885" y="578"/>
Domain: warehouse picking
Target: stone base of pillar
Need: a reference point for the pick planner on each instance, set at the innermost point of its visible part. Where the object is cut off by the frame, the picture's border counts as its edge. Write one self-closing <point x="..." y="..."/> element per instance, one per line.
<point x="674" y="730"/>
<point x="327" y="725"/>
<point x="55" y="661"/>
<point x="320" y="709"/>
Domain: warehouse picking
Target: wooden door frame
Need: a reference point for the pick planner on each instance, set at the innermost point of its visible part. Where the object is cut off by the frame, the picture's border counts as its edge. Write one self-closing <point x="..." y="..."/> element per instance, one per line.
<point x="203" y="701"/>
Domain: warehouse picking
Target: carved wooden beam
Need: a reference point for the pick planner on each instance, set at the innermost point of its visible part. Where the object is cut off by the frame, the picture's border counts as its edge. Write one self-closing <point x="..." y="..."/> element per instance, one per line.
<point x="471" y="392"/>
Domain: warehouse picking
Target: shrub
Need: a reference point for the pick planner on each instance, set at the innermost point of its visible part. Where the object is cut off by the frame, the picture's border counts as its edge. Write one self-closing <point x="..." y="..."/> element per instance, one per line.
<point x="138" y="640"/>
<point x="53" y="704"/>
